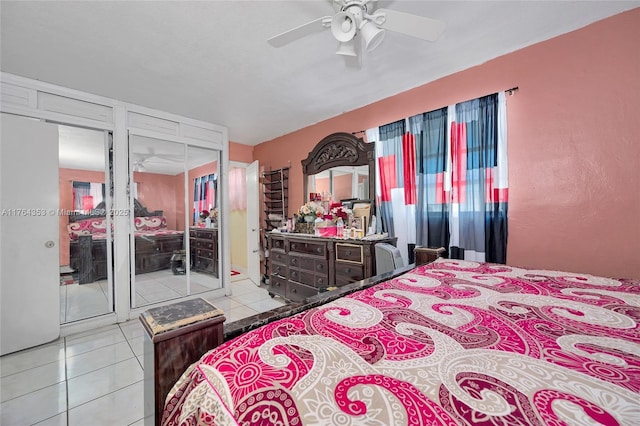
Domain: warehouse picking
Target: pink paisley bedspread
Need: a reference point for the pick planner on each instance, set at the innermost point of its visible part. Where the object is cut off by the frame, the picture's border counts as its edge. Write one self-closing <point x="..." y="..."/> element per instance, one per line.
<point x="452" y="342"/>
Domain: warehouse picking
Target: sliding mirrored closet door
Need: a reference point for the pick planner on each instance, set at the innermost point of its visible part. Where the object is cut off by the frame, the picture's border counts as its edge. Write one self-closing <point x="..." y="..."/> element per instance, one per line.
<point x="174" y="235"/>
<point x="86" y="231"/>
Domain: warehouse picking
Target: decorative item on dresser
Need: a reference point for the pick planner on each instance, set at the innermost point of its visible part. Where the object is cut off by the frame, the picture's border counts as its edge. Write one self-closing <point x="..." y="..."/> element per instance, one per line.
<point x="203" y="244"/>
<point x="302" y="265"/>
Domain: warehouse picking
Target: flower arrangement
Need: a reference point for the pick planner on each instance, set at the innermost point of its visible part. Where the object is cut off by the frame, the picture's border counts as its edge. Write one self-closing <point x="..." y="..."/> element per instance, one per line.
<point x="213" y="214"/>
<point x="204" y="214"/>
<point x="309" y="211"/>
<point x="339" y="211"/>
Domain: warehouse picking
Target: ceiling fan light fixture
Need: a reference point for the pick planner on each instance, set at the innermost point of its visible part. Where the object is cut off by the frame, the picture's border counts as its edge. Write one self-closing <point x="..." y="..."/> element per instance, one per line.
<point x="347" y="48"/>
<point x="371" y="34"/>
<point x="343" y="26"/>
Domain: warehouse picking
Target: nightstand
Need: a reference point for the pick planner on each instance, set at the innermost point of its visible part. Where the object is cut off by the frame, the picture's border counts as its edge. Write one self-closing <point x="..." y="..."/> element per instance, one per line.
<point x="426" y="255"/>
<point x="176" y="336"/>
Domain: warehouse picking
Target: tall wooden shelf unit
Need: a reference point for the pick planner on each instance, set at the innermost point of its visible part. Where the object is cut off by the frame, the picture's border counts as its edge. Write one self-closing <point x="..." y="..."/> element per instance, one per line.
<point x="275" y="185"/>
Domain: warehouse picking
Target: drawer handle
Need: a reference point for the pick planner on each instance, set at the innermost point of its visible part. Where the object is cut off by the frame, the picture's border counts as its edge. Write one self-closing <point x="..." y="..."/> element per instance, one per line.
<point x="320" y="280"/>
<point x="348" y="252"/>
<point x="293" y="290"/>
<point x="293" y="246"/>
<point x="320" y="267"/>
<point x="294" y="260"/>
<point x="348" y="270"/>
<point x="318" y="249"/>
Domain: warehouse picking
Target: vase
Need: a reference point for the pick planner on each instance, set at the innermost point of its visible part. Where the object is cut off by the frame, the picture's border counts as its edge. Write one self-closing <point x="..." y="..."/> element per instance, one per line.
<point x="309" y="219"/>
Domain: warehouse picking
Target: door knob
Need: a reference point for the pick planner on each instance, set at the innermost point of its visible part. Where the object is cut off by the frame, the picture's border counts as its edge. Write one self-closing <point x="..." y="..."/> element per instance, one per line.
<point x="49" y="244"/>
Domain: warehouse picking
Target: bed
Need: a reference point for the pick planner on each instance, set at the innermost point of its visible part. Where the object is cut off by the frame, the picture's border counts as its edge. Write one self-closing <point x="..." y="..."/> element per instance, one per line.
<point x="154" y="243"/>
<point x="451" y="342"/>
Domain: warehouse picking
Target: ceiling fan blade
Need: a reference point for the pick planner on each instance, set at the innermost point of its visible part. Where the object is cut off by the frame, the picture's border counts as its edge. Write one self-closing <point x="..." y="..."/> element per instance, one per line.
<point x="412" y="25"/>
<point x="298" y="32"/>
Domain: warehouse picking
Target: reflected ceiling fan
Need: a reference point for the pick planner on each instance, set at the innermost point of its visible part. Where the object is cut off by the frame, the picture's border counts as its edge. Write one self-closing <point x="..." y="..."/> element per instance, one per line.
<point x="357" y="23"/>
<point x="143" y="162"/>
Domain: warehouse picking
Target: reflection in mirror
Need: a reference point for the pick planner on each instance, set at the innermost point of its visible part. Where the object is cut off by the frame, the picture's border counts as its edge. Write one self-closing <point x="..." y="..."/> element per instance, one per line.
<point x="175" y="196"/>
<point x="343" y="183"/>
<point x="158" y="220"/>
<point x="86" y="283"/>
<point x="202" y="182"/>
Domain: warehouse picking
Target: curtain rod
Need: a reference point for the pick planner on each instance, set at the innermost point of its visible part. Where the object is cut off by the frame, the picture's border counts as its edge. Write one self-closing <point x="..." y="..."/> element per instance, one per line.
<point x="512" y="90"/>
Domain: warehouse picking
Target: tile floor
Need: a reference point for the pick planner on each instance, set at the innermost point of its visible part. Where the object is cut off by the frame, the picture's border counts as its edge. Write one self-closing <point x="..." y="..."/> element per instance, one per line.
<point x="80" y="301"/>
<point x="96" y="377"/>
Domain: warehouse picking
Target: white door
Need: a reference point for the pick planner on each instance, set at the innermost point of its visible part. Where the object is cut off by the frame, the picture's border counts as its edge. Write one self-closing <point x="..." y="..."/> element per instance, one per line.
<point x="29" y="226"/>
<point x="253" y="223"/>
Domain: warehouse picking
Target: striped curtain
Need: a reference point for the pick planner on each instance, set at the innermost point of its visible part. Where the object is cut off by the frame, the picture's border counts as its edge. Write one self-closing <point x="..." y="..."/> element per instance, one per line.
<point x="395" y="151"/>
<point x="204" y="194"/>
<point x="444" y="181"/>
<point x="479" y="184"/>
<point x="433" y="185"/>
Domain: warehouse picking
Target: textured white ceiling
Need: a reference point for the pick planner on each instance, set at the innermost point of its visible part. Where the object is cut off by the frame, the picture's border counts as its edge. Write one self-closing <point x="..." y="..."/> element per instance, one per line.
<point x="210" y="60"/>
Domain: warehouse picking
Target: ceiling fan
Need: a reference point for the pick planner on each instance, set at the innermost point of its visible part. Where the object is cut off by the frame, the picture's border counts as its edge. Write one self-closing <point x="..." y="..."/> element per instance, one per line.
<point x="357" y="23"/>
<point x="145" y="162"/>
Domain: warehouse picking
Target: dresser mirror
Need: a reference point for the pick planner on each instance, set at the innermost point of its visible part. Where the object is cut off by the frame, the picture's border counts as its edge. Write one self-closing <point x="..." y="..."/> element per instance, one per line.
<point x="342" y="165"/>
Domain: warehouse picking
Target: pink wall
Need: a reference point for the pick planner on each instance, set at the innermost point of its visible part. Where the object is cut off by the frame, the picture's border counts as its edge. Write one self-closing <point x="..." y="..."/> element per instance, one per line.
<point x="241" y="153"/>
<point x="574" y="149"/>
<point x="157" y="192"/>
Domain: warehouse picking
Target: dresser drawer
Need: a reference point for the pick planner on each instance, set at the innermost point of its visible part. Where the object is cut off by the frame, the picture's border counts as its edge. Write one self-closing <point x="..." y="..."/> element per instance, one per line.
<point x="207" y="235"/>
<point x="278" y="257"/>
<point x="349" y="253"/>
<point x="350" y="271"/>
<point x="304" y="247"/>
<point x="277" y="243"/>
<point x="314" y="280"/>
<point x="279" y="269"/>
<point x="208" y="254"/>
<point x="298" y="292"/>
<point x="319" y="266"/>
<point x="278" y="285"/>
<point x="204" y="244"/>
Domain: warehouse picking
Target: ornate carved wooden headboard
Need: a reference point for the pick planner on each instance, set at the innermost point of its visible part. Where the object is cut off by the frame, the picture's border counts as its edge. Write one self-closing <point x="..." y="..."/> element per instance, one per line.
<point x="100" y="210"/>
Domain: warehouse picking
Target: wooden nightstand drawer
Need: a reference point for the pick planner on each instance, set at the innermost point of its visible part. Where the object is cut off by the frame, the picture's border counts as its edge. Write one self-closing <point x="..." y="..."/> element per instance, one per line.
<point x="349" y="253"/>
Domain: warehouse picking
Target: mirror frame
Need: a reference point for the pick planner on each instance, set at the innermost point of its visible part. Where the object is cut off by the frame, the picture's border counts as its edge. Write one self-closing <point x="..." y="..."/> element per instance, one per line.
<point x="340" y="149"/>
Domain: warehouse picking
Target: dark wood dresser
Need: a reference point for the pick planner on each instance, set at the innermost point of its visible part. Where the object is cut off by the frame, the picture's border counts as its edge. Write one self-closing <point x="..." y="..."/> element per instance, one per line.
<point x="154" y="254"/>
<point x="203" y="243"/>
<point x="301" y="265"/>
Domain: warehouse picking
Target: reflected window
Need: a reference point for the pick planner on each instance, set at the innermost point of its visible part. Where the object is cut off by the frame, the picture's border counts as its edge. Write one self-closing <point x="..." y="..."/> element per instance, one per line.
<point x="87" y="195"/>
<point x="204" y="196"/>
